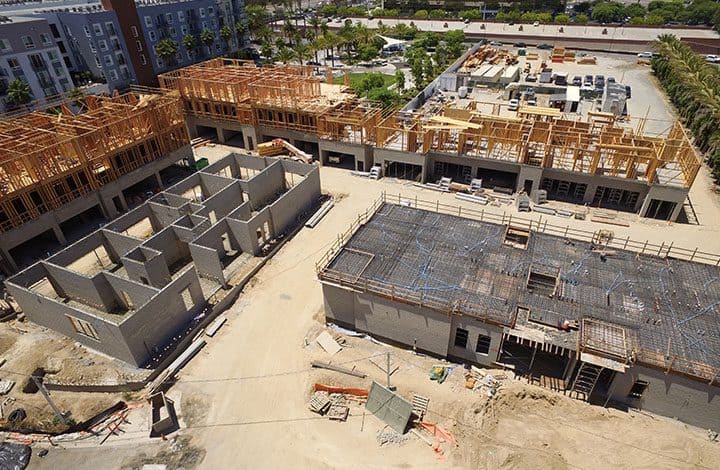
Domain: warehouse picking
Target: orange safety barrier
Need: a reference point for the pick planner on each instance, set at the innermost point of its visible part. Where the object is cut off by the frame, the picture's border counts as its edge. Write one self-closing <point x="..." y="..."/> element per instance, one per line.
<point x="348" y="391"/>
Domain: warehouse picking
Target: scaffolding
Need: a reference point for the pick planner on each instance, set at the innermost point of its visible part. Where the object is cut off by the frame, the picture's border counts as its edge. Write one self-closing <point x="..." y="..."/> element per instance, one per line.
<point x="51" y="158"/>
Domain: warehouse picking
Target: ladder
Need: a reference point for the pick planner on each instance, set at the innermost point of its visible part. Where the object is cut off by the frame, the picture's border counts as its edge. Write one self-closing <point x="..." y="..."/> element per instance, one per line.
<point x="586" y="379"/>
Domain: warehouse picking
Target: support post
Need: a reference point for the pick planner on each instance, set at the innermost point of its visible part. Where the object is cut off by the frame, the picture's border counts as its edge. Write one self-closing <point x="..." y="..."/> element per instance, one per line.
<point x="46" y="395"/>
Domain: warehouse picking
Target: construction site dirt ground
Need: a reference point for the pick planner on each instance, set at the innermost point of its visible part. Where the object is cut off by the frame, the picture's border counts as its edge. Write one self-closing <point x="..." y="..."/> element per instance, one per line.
<point x="244" y="399"/>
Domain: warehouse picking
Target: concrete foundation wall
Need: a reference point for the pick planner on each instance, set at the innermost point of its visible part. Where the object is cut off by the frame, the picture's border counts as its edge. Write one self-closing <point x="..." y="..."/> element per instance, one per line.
<point x="54" y="315"/>
<point x="165" y="315"/>
<point x="672" y="395"/>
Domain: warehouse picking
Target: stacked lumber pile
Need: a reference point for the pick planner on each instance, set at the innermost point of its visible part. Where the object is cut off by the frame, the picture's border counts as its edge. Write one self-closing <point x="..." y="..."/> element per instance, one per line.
<point x="587" y="61"/>
<point x="488" y="55"/>
<point x="271" y="149"/>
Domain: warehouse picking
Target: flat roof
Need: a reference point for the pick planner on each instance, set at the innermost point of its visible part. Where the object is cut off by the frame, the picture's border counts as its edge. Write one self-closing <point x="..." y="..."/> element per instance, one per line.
<point x="666" y="311"/>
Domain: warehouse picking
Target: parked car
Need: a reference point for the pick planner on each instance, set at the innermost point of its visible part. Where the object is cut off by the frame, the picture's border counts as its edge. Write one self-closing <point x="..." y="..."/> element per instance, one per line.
<point x="519" y="44"/>
<point x="589" y="79"/>
<point x="496" y="43"/>
<point x="587" y="87"/>
<point x="577" y="80"/>
<point x="712" y="58"/>
<point x="544" y="46"/>
<point x="628" y="91"/>
<point x="531" y="77"/>
<point x="611" y="80"/>
<point x="513" y="105"/>
<point x="312" y="62"/>
<point x="599" y="79"/>
<point x="645" y="55"/>
<point x="536" y="24"/>
<point x="532" y="102"/>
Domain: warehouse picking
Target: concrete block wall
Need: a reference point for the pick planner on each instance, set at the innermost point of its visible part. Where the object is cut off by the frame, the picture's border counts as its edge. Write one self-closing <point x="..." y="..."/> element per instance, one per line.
<point x="692" y="402"/>
<point x="474" y="328"/>
<point x="148" y="304"/>
<point x="300" y="198"/>
<point x="163" y="317"/>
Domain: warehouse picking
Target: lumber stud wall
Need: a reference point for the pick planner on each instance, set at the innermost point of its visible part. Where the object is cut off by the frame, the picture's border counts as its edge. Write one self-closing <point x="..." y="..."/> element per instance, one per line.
<point x="49" y="159"/>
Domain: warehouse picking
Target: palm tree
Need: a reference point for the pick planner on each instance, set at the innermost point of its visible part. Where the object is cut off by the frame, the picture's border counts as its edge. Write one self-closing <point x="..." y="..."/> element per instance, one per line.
<point x="226" y="35"/>
<point x="240" y="29"/>
<point x="289" y="30"/>
<point x="167" y="50"/>
<point x="315" y="23"/>
<point x="302" y="52"/>
<point x="266" y="50"/>
<point x="285" y="55"/>
<point x="189" y="43"/>
<point x="19" y="92"/>
<point x="208" y="38"/>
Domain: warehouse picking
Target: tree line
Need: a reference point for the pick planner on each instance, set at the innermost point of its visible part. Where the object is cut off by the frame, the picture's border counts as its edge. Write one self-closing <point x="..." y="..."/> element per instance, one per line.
<point x="693" y="86"/>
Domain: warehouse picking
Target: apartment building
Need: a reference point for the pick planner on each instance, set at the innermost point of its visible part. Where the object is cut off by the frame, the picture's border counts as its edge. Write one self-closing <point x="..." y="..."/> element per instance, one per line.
<point x="29" y="53"/>
<point x="115" y="40"/>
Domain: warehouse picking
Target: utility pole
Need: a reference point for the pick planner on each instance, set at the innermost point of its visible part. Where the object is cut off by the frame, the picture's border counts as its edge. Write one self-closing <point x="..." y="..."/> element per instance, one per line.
<point x="388" y="370"/>
<point x="46" y="394"/>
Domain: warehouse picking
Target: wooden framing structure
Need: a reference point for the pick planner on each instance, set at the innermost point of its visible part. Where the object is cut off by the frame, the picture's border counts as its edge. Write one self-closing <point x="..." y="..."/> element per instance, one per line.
<point x="274" y="96"/>
<point x="291" y="98"/>
<point x="50" y="158"/>
<point x="595" y="147"/>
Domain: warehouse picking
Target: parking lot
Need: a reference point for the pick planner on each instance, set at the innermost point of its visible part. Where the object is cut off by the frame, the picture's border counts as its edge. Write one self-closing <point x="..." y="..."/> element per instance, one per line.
<point x="647" y="100"/>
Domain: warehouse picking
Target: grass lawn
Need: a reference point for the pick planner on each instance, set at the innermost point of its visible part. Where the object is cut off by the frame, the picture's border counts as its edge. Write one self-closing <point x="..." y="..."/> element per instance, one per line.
<point x="356" y="78"/>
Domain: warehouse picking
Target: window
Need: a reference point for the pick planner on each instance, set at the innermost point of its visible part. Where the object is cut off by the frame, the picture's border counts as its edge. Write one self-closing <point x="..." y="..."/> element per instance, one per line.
<point x="54" y="30"/>
<point x="103" y="45"/>
<point x="143" y="60"/>
<point x="28" y="42"/>
<point x="210" y="11"/>
<point x="124" y="73"/>
<point x="116" y="44"/>
<point x="45" y="39"/>
<point x="87" y="30"/>
<point x="68" y="63"/>
<point x="133" y="31"/>
<point x="204" y="25"/>
<point x="120" y="58"/>
<point x="108" y="60"/>
<point x="138" y="45"/>
<point x="173" y="33"/>
<point x="202" y="13"/>
<point x="169" y="18"/>
<point x="153" y="36"/>
<point x="638" y="389"/>
<point x="61" y="46"/>
<point x="92" y="47"/>
<point x="52" y="55"/>
<point x="181" y="16"/>
<point x="98" y="29"/>
<point x="160" y="63"/>
<point x="5" y="45"/>
<point x="183" y="29"/>
<point x="110" y="28"/>
<point x="483" y="344"/>
<point x="461" y="337"/>
<point x="112" y="73"/>
<point x="83" y="327"/>
<point x="148" y="22"/>
<point x="97" y="61"/>
<point x="13" y="63"/>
